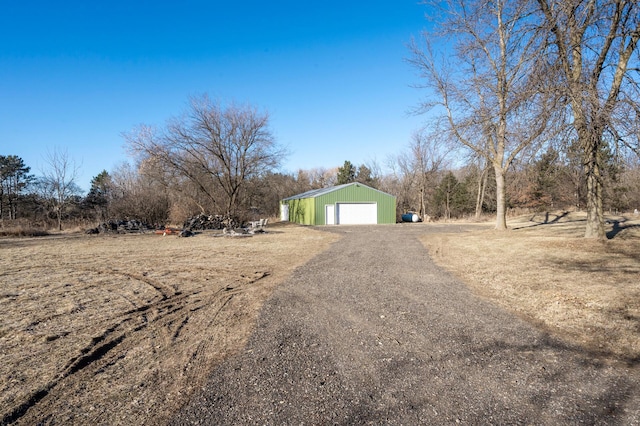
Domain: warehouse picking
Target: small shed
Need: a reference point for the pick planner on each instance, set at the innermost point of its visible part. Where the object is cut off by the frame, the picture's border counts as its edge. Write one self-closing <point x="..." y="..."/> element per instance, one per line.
<point x="348" y="204"/>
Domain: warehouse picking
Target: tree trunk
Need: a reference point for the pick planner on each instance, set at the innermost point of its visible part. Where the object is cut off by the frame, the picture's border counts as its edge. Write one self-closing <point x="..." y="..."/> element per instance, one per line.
<point x="13" y="207"/>
<point x="595" y="212"/>
<point x="501" y="199"/>
<point x="447" y="211"/>
<point x="13" y="194"/>
<point x="482" y="186"/>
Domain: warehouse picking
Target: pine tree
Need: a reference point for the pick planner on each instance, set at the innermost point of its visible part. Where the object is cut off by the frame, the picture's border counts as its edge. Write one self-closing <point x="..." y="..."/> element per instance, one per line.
<point x="14" y="178"/>
<point x="346" y="173"/>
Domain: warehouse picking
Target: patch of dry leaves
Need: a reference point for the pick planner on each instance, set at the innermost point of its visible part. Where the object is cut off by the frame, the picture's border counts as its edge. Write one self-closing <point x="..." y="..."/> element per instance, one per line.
<point x="122" y="329"/>
<point x="584" y="291"/>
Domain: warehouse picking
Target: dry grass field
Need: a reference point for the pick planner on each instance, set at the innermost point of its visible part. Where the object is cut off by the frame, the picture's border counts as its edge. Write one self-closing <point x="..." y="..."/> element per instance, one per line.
<point x="583" y="291"/>
<point x="122" y="329"/>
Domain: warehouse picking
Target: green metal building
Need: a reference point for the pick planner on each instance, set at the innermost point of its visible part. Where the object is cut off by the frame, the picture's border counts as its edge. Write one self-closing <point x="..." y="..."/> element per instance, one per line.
<point x="348" y="204"/>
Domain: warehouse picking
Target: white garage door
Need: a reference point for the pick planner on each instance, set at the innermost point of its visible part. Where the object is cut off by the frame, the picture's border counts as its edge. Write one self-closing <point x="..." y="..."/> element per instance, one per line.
<point x="357" y="214"/>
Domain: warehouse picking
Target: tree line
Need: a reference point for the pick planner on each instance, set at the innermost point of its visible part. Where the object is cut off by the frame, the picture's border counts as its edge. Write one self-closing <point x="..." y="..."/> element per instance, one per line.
<point x="420" y="176"/>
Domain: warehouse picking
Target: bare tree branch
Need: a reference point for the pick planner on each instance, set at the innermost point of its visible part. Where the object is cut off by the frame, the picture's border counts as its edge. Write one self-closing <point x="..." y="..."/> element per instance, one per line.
<point x="490" y="97"/>
<point x="219" y="149"/>
<point x="60" y="180"/>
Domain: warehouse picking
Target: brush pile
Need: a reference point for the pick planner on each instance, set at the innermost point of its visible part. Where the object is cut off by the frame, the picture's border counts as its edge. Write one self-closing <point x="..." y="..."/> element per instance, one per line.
<point x="120" y="227"/>
<point x="203" y="221"/>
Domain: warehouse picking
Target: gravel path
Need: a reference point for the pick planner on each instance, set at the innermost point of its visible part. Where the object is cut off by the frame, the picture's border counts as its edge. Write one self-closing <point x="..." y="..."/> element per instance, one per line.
<point x="372" y="332"/>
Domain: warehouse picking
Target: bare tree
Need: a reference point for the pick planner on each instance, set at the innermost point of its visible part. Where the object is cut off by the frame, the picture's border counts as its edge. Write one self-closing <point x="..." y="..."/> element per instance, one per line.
<point x="317" y="178"/>
<point x="491" y="99"/>
<point x="427" y="159"/>
<point x="483" y="177"/>
<point x="59" y="180"/>
<point x="219" y="149"/>
<point x="631" y="179"/>
<point x="415" y="172"/>
<point x="401" y="181"/>
<point x="593" y="41"/>
<point x="136" y="194"/>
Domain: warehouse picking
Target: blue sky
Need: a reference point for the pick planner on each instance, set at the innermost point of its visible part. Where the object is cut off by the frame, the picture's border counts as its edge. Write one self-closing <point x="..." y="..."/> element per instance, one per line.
<point x="75" y="75"/>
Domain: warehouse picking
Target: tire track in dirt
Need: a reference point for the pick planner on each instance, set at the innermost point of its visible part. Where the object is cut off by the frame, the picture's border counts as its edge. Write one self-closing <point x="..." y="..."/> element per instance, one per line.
<point x="170" y="311"/>
<point x="150" y="373"/>
<point x="164" y="290"/>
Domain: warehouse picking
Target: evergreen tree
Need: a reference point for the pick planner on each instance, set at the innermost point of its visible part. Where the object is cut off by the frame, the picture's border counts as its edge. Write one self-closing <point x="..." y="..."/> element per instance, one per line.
<point x="98" y="197"/>
<point x="346" y="173"/>
<point x="452" y="197"/>
<point x="544" y="193"/>
<point x="14" y="178"/>
<point x="366" y="177"/>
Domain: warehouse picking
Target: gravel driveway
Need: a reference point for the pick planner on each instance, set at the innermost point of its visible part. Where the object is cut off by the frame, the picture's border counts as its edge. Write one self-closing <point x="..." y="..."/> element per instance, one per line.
<point x="372" y="332"/>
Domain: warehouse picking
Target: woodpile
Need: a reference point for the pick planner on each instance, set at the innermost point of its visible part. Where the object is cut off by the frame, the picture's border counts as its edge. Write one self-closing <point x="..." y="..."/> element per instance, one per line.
<point x="120" y="227"/>
<point x="229" y="225"/>
<point x="202" y="222"/>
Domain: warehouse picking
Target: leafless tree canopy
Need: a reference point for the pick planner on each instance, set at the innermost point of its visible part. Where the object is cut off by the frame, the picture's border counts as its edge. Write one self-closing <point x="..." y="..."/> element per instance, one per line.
<point x="134" y="194"/>
<point x="486" y="92"/>
<point x="595" y="44"/>
<point x="417" y="170"/>
<point x="59" y="180"/>
<point x="216" y="149"/>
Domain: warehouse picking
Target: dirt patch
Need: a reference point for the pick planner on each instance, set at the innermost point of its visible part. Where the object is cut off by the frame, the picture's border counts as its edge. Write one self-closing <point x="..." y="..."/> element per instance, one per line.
<point x="123" y="329"/>
<point x="587" y="292"/>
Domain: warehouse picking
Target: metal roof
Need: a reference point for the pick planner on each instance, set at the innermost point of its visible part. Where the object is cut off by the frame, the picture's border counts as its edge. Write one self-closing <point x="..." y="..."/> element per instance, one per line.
<point x="317" y="192"/>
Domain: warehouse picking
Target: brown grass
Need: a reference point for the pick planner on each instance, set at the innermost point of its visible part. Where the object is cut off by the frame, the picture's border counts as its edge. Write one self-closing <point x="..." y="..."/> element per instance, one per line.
<point x="23" y="230"/>
<point x="584" y="291"/>
<point x="122" y="329"/>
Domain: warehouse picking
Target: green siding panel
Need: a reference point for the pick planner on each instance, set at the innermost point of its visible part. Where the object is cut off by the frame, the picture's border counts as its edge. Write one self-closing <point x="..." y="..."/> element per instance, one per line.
<point x="302" y="211"/>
